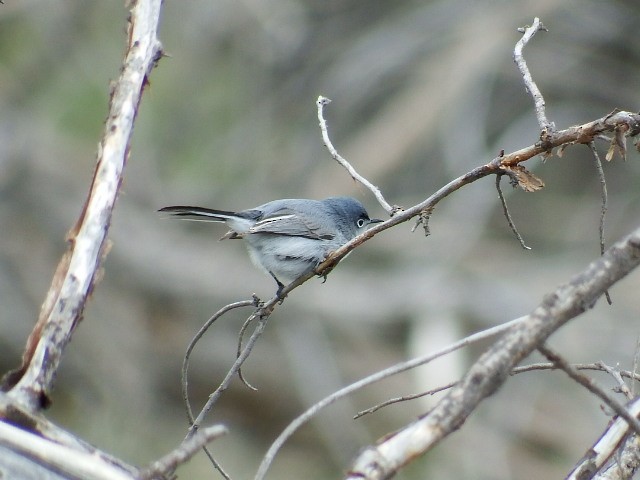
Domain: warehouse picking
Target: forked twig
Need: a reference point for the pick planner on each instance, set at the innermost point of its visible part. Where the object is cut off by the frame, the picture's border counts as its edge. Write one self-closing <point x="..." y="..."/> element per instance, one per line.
<point x="599" y="366"/>
<point x="179" y="456"/>
<point x="187" y="356"/>
<point x="376" y="377"/>
<point x="592" y="386"/>
<point x="185" y="371"/>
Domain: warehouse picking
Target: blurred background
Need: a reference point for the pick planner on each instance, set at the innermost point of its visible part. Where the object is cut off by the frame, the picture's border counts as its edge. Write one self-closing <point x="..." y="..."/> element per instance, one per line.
<point x="422" y="91"/>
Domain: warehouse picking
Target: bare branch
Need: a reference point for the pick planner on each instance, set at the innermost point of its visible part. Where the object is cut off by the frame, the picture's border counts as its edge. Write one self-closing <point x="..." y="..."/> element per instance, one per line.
<point x="636" y="362"/>
<point x="78" y="269"/>
<point x="603" y="196"/>
<point x="187" y="356"/>
<point x="404" y="398"/>
<point x="546" y="126"/>
<point x="321" y="102"/>
<point x="600" y="366"/>
<point x="262" y="315"/>
<point x="62" y="459"/>
<point x="600" y="453"/>
<point x="617" y="375"/>
<point x="172" y="460"/>
<point x="492" y="369"/>
<point x="243" y="330"/>
<point x="624" y="463"/>
<point x="505" y="210"/>
<point x="376" y="377"/>
<point x="592" y="386"/>
<point x="576" y="134"/>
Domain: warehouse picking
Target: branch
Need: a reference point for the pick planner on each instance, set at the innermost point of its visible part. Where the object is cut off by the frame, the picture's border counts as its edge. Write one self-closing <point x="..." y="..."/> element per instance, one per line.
<point x="503" y="164"/>
<point x="546" y="126"/>
<point x="592" y="386"/>
<point x="492" y="369"/>
<point x="505" y="210"/>
<point x="77" y="273"/>
<point x="262" y="314"/>
<point x="192" y="344"/>
<point x="603" y="199"/>
<point x="321" y="102"/>
<point x="167" y="464"/>
<point x="376" y="377"/>
<point x="599" y="454"/>
<point x="599" y="366"/>
<point x="54" y="457"/>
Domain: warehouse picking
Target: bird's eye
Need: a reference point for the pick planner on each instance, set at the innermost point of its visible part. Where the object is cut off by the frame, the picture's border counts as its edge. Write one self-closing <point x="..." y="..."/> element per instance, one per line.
<point x="361" y="222"/>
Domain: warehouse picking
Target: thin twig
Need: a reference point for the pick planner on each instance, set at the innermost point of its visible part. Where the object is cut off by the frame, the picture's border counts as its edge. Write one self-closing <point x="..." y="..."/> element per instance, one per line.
<point x="404" y="398"/>
<point x="617" y="375"/>
<point x="592" y="386"/>
<point x="376" y="377"/>
<point x="187" y="356"/>
<point x="575" y="134"/>
<point x="507" y="215"/>
<point x="185" y="370"/>
<point x="213" y="398"/>
<point x="182" y="454"/>
<point x="601" y="367"/>
<point x="546" y="127"/>
<point x="491" y="370"/>
<point x="636" y="362"/>
<point x="245" y="325"/>
<point x="320" y="103"/>
<point x="604" y="200"/>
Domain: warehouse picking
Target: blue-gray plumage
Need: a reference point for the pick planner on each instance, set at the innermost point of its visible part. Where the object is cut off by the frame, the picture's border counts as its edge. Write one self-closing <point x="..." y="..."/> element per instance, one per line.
<point x="289" y="237"/>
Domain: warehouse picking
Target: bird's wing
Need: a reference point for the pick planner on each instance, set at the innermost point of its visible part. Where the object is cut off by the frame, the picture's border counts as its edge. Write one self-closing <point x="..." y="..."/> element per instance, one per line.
<point x="288" y="222"/>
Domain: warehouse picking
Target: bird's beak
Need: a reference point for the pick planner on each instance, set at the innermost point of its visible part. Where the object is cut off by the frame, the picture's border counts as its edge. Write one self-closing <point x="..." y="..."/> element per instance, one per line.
<point x="375" y="220"/>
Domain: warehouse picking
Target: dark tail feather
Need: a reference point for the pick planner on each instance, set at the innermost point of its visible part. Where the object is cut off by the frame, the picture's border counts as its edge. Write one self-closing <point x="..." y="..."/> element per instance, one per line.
<point x="198" y="213"/>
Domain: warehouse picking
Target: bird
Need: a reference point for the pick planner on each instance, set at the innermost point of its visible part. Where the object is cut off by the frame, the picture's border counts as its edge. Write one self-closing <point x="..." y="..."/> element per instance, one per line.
<point x="287" y="238"/>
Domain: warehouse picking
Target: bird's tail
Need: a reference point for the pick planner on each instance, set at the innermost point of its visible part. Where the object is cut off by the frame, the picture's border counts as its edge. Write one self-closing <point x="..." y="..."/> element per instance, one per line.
<point x="198" y="213"/>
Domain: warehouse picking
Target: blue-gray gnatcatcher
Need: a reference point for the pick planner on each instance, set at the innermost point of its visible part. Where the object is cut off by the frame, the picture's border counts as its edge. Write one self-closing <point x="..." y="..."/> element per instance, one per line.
<point x="287" y="238"/>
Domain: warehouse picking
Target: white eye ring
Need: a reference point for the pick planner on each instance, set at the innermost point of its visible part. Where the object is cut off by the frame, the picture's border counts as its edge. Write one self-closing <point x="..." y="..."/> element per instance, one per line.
<point x="360" y="222"/>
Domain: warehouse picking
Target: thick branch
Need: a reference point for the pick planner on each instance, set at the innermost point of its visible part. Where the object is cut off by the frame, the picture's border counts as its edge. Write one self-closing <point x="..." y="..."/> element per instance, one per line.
<point x="78" y="270"/>
<point x="492" y="369"/>
<point x="600" y="453"/>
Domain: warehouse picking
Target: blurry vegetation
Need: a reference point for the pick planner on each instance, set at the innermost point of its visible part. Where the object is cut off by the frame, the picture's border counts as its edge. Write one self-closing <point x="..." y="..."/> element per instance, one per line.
<point x="422" y="92"/>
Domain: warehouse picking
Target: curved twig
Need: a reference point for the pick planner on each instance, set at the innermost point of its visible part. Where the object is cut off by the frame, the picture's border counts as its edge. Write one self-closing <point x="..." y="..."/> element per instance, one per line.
<point x="376" y="377"/>
<point x="321" y="102"/>
<point x="507" y="214"/>
<point x="603" y="200"/>
<point x="187" y="356"/>
<point x="492" y="369"/>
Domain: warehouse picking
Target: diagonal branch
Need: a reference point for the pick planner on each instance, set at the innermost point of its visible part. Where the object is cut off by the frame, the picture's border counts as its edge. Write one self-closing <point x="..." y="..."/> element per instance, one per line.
<point x="79" y="268"/>
<point x="601" y="452"/>
<point x="591" y="385"/>
<point x="321" y="102"/>
<point x="376" y="377"/>
<point x="492" y="369"/>
<point x="576" y="134"/>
